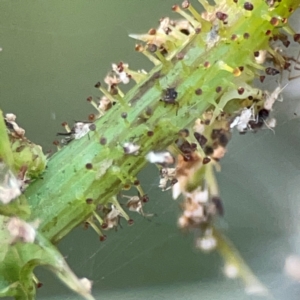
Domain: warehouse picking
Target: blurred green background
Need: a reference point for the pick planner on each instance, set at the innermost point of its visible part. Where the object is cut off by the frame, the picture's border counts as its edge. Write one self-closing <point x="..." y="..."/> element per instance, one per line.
<point x="53" y="52"/>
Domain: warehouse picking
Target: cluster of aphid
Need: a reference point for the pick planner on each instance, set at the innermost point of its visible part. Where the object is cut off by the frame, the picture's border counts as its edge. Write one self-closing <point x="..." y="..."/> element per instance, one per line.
<point x="192" y="173"/>
<point x="163" y="41"/>
<point x="109" y="216"/>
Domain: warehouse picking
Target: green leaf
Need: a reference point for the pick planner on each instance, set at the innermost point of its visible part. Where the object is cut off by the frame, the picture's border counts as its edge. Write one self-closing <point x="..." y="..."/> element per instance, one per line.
<point x="19" y="260"/>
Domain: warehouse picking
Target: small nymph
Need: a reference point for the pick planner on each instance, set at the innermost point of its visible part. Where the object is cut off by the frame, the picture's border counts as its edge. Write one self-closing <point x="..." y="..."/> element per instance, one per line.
<point x="170" y="96"/>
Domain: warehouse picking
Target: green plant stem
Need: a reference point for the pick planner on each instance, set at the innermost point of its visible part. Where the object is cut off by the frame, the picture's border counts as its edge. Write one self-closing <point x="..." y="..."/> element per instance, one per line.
<point x="59" y="199"/>
<point x="232" y="257"/>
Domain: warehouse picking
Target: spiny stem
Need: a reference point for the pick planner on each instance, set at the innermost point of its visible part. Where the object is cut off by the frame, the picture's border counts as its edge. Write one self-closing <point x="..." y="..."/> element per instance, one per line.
<point x="70" y="208"/>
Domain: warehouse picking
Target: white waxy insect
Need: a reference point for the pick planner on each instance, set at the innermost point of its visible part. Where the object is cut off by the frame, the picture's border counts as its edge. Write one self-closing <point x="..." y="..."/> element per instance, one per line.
<point x="271" y="123"/>
<point x="20" y="230"/>
<point x="160" y="157"/>
<point x="11" y="119"/>
<point x="104" y="105"/>
<point x="112" y="218"/>
<point x="272" y="97"/>
<point x="123" y="76"/>
<point x="78" y="131"/>
<point x="81" y="129"/>
<point x="9" y="185"/>
<point x="167" y="174"/>
<point x="135" y="204"/>
<point x="241" y="121"/>
<point x="131" y="148"/>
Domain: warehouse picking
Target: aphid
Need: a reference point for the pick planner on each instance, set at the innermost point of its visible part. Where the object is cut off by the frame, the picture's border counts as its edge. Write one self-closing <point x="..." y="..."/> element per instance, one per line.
<point x="185" y="147"/>
<point x="79" y="130"/>
<point x="262" y="116"/>
<point x="241" y="121"/>
<point x="167" y="174"/>
<point x="131" y="148"/>
<point x="272" y="97"/>
<point x="272" y="71"/>
<point x="112" y="219"/>
<point x="104" y="104"/>
<point x="201" y="139"/>
<point x="170" y="96"/>
<point x="119" y="70"/>
<point x="13" y="127"/>
<point x="135" y="203"/>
